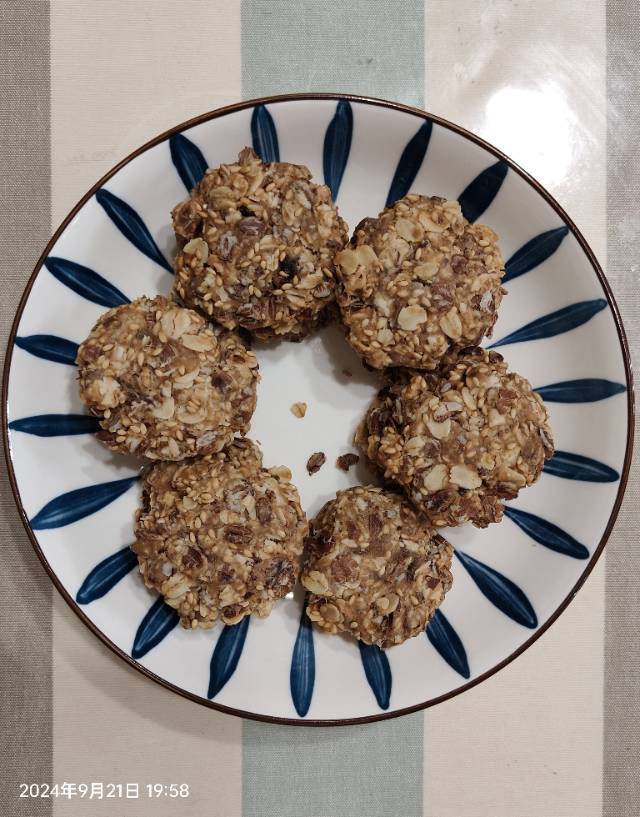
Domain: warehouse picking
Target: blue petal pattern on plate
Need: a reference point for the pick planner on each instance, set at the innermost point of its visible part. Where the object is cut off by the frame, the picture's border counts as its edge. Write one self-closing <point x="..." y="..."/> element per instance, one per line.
<point x="555" y="323"/>
<point x="85" y="282"/>
<point x="264" y="135"/>
<point x="74" y="505"/>
<point x="534" y="252"/>
<point x="410" y="163"/>
<point x="447" y="642"/>
<point x="576" y="466"/>
<point x="303" y="666"/>
<point x="154" y="628"/>
<point x="49" y="347"/>
<point x="479" y="194"/>
<point x="131" y="226"/>
<point x="500" y="591"/>
<point x="106" y="575"/>
<point x="337" y="144"/>
<point x="187" y="159"/>
<point x="546" y="533"/>
<point x="378" y="672"/>
<point x="585" y="390"/>
<point x="56" y="425"/>
<point x="226" y="655"/>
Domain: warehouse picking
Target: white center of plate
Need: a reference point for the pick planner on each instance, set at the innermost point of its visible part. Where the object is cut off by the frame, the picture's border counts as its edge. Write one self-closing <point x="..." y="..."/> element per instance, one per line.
<point x="326" y="374"/>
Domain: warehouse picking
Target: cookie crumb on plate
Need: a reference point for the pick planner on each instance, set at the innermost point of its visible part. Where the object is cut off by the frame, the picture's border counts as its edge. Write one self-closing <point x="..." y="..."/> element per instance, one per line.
<point x="298" y="409"/>
<point x="345" y="461"/>
<point x="315" y="462"/>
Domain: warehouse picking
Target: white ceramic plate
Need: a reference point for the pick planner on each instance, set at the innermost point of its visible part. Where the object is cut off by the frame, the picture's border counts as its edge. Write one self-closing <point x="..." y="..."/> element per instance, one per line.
<point x="558" y="326"/>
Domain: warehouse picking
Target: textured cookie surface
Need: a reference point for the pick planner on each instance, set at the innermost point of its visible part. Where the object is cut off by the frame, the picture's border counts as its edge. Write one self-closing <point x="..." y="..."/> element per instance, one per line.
<point x="461" y="442"/>
<point x="258" y="246"/>
<point x="418" y="281"/>
<point x="165" y="383"/>
<point x="220" y="536"/>
<point x="375" y="567"/>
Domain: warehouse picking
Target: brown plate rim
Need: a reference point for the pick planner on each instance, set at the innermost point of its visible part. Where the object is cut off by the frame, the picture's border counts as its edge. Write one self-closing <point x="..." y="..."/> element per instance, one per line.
<point x="397" y="106"/>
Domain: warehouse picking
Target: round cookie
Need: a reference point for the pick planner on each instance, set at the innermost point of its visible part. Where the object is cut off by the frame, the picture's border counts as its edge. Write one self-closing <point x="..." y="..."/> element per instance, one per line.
<point x="165" y="383"/>
<point x="376" y="568"/>
<point x="258" y="245"/>
<point x="418" y="281"/>
<point x="220" y="536"/>
<point x="462" y="441"/>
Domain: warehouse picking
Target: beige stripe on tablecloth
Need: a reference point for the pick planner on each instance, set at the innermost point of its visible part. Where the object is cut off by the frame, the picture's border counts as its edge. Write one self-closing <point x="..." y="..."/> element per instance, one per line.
<point x="121" y="73"/>
<point x="528" y="742"/>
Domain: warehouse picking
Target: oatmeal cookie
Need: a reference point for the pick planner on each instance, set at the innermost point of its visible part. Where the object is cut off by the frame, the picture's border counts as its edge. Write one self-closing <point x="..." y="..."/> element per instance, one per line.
<point x="460" y="442"/>
<point x="376" y="568"/>
<point x="165" y="383"/>
<point x="220" y="536"/>
<point x="418" y="281"/>
<point x="258" y="245"/>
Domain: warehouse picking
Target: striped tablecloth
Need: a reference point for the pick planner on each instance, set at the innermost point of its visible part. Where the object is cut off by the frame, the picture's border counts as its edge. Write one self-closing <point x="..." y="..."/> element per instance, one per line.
<point x="555" y="84"/>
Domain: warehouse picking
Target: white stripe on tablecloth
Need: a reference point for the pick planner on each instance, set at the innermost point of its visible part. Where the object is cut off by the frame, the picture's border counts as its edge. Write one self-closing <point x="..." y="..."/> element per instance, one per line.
<point x="530" y="77"/>
<point x="121" y="73"/>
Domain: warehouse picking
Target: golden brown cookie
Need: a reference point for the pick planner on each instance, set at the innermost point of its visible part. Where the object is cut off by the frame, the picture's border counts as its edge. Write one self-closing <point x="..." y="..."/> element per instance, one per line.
<point x="220" y="536"/>
<point x="258" y="245"/>
<point x="165" y="383"/>
<point x="375" y="567"/>
<point x="461" y="441"/>
<point x="418" y="281"/>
